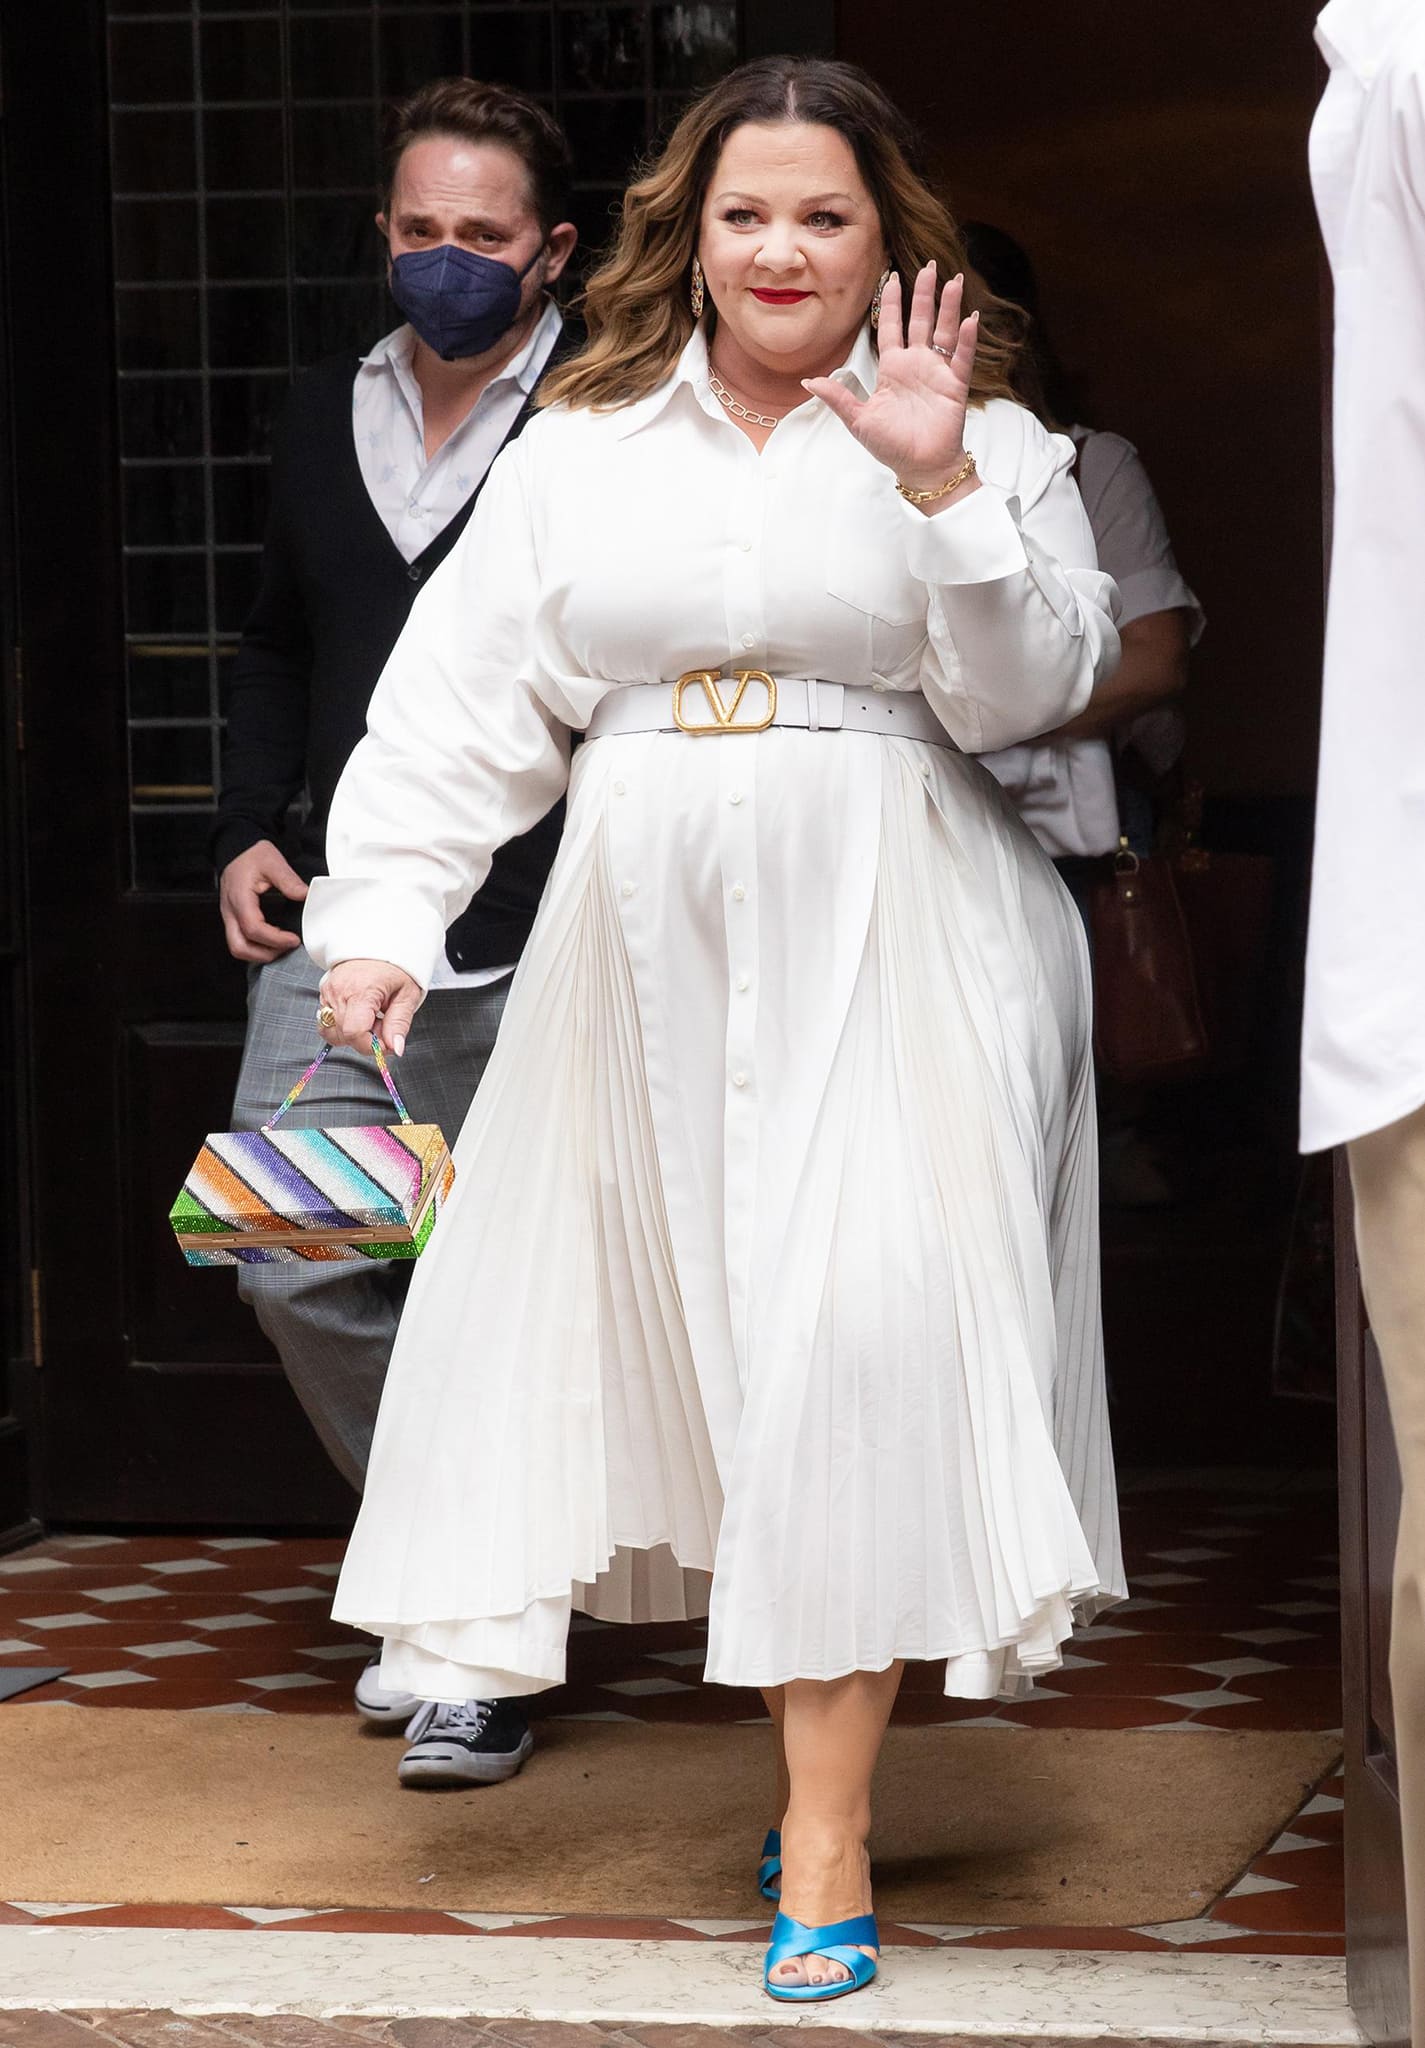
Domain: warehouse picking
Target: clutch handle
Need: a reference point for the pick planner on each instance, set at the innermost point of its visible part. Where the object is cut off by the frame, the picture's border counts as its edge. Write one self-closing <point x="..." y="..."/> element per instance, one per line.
<point x="391" y="1088"/>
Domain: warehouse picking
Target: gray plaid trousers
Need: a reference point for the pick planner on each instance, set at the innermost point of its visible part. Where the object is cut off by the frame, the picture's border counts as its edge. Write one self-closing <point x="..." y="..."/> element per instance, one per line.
<point x="333" y="1325"/>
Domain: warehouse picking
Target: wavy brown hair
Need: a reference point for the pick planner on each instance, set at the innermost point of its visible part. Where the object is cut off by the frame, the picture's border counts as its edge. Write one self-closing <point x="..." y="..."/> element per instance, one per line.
<point x="635" y="304"/>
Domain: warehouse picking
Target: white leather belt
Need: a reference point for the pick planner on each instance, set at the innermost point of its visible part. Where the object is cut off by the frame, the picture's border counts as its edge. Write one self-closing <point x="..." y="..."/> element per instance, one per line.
<point x="705" y="704"/>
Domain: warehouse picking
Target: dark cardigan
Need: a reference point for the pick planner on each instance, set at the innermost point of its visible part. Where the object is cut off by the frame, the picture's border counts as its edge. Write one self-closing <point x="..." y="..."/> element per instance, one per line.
<point x="334" y="595"/>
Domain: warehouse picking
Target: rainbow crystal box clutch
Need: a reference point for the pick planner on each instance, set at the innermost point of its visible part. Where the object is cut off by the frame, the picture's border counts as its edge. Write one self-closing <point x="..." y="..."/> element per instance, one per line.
<point x="369" y="1192"/>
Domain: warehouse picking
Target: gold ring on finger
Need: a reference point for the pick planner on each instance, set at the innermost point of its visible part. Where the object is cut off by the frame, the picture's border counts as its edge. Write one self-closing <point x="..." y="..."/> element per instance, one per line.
<point x="326" y="1017"/>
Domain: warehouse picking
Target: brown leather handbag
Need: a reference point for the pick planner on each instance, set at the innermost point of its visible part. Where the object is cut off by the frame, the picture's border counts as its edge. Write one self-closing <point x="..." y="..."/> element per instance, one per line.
<point x="1148" y="1014"/>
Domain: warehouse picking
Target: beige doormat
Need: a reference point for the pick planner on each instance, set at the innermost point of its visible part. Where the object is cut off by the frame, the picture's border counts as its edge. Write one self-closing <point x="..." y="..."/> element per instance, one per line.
<point x="1062" y="1827"/>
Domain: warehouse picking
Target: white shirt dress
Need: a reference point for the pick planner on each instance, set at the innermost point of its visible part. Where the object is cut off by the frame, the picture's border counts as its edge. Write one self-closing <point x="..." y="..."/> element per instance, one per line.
<point x="1065" y="790"/>
<point x="773" y="1249"/>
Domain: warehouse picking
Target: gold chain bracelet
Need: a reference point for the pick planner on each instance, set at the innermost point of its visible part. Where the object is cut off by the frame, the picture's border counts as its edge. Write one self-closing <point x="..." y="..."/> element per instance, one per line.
<point x="962" y="475"/>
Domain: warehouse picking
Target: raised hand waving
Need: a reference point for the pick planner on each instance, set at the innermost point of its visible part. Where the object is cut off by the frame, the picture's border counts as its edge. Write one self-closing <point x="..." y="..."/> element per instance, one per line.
<point x="914" y="420"/>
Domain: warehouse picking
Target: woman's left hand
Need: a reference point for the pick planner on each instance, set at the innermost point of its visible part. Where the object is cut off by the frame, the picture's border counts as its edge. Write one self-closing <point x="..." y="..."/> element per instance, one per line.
<point x="914" y="420"/>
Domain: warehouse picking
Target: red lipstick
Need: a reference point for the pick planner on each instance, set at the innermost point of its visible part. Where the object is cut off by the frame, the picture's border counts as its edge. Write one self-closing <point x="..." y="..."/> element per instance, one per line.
<point x="770" y="298"/>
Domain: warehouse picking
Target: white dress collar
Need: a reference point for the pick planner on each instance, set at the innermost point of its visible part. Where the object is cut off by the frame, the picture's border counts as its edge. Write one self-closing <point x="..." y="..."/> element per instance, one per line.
<point x="690" y="371"/>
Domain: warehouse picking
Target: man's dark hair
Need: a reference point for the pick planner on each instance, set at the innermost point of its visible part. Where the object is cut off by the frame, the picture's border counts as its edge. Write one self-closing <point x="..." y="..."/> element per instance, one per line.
<point x="469" y="111"/>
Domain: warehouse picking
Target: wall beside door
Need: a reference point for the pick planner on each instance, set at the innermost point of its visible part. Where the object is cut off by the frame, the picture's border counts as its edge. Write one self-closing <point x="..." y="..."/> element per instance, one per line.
<point x="16" y="1320"/>
<point x="1153" y="161"/>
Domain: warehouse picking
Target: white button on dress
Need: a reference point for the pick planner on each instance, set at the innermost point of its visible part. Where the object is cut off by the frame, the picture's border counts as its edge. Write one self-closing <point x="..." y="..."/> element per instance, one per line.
<point x="828" y="1333"/>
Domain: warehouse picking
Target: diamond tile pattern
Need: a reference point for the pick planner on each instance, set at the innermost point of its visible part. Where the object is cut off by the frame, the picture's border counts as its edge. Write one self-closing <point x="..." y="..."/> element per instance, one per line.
<point x="1224" y="1646"/>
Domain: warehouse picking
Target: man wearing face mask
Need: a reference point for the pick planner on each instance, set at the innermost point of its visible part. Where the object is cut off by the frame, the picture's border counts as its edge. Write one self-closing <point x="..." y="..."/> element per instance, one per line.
<point x="376" y="468"/>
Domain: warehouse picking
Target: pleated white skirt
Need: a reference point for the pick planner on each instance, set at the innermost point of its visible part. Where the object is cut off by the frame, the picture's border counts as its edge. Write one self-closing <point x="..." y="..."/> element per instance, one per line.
<point x="772" y="1259"/>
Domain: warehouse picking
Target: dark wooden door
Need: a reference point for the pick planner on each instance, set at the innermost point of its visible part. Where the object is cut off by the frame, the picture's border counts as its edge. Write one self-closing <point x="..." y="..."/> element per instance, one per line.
<point x="157" y="1399"/>
<point x="16" y="1323"/>
<point x="1370" y="1512"/>
<point x="190" y="190"/>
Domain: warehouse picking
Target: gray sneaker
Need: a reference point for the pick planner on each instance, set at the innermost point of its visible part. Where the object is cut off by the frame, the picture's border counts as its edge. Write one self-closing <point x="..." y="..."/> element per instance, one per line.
<point x="382" y="1708"/>
<point x="479" y="1742"/>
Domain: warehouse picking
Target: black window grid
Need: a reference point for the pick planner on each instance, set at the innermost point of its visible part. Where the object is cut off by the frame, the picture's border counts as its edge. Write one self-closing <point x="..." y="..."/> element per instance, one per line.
<point x="242" y="195"/>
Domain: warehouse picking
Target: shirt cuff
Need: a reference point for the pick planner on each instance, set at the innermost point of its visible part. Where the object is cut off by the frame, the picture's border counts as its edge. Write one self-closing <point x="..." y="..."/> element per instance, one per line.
<point x="346" y="919"/>
<point x="976" y="541"/>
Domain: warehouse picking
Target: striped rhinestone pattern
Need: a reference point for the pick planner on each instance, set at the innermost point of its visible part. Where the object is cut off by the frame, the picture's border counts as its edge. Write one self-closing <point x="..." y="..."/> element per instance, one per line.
<point x="301" y="1183"/>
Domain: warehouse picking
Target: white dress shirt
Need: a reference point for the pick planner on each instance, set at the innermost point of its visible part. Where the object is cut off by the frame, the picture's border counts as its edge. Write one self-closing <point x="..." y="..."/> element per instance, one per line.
<point x="528" y="622"/>
<point x="1363" y="1053"/>
<point x="1065" y="790"/>
<point x="773" y="1238"/>
<point x="417" y="497"/>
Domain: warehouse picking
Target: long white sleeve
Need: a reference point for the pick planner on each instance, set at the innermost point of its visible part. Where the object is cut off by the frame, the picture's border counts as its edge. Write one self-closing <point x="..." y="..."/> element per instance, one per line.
<point x="461" y="752"/>
<point x="1363" y="1043"/>
<point x="1021" y="619"/>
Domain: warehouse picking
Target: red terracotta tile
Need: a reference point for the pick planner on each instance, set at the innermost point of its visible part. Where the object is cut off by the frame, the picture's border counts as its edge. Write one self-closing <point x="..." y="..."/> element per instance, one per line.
<point x="1117" y="1938"/>
<point x="701" y="1705"/>
<point x="1124" y="1681"/>
<point x="583" y="1927"/>
<point x="1316" y="1910"/>
<point x="1188" y="1627"/>
<point x="933" y="1710"/>
<point x="1259" y="1715"/>
<point x="893" y="1936"/>
<point x="153" y="1915"/>
<point x="1320" y="1651"/>
<point x="374" y="1921"/>
<point x="1176" y="1646"/>
<point x="1323" y="1825"/>
<point x="1317" y="1693"/>
<point x="1092" y="1713"/>
<point x="1275" y="1945"/>
<point x="1308" y="1867"/>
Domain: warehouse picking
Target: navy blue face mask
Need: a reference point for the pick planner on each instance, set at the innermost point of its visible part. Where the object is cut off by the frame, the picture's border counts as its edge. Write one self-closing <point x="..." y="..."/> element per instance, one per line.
<point x="459" y="303"/>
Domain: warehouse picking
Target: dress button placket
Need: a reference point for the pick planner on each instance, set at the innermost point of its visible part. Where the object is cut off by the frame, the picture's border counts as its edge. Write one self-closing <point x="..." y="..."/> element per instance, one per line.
<point x="740" y="761"/>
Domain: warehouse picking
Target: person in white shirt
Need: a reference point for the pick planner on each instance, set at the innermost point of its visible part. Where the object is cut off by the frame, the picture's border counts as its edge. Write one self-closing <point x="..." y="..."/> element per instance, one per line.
<point x="1363" y="1047"/>
<point x="1064" y="782"/>
<point x="378" y="463"/>
<point x="773" y="1242"/>
<point x="1099" y="777"/>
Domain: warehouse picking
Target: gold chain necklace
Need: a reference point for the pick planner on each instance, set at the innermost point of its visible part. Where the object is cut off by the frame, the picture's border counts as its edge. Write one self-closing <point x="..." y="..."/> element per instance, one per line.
<point x="735" y="407"/>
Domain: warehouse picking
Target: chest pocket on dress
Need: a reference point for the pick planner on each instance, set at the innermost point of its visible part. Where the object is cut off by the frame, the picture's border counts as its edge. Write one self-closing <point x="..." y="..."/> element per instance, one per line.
<point x="866" y="556"/>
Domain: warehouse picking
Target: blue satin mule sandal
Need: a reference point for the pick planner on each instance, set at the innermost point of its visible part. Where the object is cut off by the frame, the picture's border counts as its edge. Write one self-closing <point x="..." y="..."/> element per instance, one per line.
<point x="840" y="1942"/>
<point x="769" y="1870"/>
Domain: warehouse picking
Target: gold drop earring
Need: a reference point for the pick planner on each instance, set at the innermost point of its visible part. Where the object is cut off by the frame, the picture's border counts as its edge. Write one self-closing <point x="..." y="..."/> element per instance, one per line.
<point x="881" y="284"/>
<point x="695" y="290"/>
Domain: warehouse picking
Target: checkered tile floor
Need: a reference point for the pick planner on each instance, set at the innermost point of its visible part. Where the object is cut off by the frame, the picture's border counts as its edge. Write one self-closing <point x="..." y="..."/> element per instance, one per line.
<point x="1232" y="1624"/>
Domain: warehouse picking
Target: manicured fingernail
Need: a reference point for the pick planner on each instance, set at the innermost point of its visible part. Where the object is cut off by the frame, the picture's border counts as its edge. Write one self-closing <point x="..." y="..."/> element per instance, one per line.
<point x="398" y="1045"/>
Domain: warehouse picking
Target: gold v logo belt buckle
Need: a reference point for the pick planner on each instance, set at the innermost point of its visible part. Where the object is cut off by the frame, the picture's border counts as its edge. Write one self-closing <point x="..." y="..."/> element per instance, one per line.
<point x="725" y="711"/>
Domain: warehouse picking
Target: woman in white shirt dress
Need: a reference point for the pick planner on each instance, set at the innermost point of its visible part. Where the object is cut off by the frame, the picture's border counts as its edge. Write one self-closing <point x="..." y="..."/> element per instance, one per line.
<point x="772" y="1254"/>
